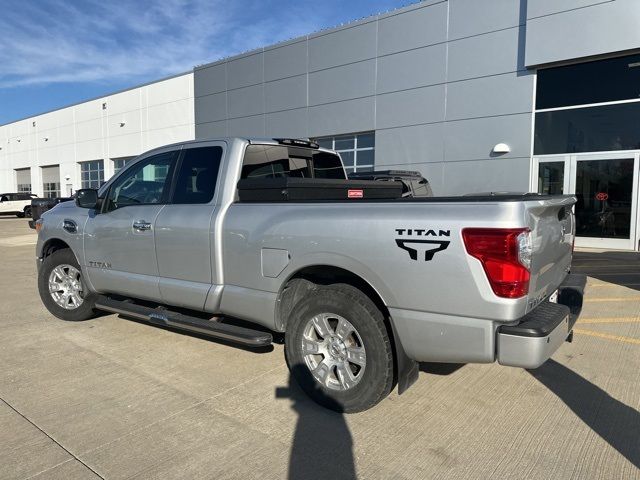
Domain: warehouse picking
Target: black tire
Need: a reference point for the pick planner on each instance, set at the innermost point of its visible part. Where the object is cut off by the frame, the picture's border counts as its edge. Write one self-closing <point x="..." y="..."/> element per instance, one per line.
<point x="27" y="212"/>
<point x="85" y="310"/>
<point x="20" y="214"/>
<point x="350" y="303"/>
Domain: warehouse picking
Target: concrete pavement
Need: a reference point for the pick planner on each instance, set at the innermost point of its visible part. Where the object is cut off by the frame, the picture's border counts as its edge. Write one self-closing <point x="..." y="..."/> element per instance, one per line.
<point x="113" y="398"/>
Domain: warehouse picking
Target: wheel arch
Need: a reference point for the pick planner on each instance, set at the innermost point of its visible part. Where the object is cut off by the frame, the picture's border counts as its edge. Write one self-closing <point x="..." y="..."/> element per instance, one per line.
<point x="307" y="278"/>
<point x="55" y="244"/>
<point x="312" y="275"/>
<point x="52" y="245"/>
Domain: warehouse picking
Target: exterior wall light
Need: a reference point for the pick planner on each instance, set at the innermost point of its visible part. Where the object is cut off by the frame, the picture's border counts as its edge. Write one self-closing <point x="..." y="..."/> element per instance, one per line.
<point x="501" y="148"/>
<point x="122" y="124"/>
<point x="46" y="139"/>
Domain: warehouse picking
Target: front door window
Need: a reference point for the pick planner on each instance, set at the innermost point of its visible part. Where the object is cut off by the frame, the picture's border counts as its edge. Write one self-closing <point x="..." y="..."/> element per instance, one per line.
<point x="145" y="183"/>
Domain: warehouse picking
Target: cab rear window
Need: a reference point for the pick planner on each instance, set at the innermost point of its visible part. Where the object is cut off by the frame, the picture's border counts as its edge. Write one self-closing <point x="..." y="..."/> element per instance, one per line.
<point x="278" y="161"/>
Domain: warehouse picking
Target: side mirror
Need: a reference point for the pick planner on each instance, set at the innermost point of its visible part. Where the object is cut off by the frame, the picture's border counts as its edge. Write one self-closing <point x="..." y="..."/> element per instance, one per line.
<point x="87" y="198"/>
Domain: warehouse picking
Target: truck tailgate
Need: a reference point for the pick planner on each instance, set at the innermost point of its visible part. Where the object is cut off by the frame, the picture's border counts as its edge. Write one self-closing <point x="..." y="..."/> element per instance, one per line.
<point x="552" y="233"/>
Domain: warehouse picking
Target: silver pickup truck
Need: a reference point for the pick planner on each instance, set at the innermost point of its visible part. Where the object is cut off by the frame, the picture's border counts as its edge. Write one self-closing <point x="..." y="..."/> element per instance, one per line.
<point x="363" y="283"/>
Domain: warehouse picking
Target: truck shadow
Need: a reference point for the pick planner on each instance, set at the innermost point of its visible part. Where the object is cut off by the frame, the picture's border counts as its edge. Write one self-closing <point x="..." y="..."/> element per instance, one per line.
<point x="616" y="423"/>
<point x="322" y="445"/>
<point x="441" y="369"/>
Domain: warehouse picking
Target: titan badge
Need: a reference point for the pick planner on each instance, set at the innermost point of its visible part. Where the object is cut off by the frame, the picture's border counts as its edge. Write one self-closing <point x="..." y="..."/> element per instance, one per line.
<point x="420" y="247"/>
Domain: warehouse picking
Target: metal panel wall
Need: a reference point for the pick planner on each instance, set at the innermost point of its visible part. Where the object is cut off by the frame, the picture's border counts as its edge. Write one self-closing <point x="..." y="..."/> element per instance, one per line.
<point x="571" y="29"/>
<point x="441" y="82"/>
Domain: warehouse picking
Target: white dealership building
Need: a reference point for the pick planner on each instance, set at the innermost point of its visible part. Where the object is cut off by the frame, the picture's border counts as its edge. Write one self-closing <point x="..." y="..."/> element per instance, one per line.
<point x="82" y="145"/>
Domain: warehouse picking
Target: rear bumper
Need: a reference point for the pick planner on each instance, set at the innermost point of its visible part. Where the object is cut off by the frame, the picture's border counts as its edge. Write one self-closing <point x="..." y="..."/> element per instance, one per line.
<point x="530" y="342"/>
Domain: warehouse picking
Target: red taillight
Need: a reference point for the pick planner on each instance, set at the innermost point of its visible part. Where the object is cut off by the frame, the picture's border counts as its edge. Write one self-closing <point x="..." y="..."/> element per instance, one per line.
<point x="505" y="254"/>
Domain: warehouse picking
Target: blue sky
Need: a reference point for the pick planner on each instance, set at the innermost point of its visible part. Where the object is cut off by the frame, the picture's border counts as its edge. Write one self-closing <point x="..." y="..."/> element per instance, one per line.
<point x="57" y="52"/>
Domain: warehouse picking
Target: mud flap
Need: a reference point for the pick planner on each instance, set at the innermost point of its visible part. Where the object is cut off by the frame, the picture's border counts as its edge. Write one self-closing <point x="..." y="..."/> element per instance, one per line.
<point x="407" y="368"/>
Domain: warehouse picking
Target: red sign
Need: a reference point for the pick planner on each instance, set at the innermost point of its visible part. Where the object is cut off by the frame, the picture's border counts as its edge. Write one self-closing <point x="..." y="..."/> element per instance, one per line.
<point x="355" y="194"/>
<point x="602" y="196"/>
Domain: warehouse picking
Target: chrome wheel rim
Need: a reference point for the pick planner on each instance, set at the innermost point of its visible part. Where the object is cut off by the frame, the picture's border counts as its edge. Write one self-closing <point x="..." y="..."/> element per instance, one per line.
<point x="333" y="351"/>
<point x="65" y="286"/>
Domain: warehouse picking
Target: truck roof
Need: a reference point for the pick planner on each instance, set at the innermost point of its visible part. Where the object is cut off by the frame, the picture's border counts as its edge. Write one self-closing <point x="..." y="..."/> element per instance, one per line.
<point x="255" y="140"/>
<point x="386" y="173"/>
<point x="300" y="142"/>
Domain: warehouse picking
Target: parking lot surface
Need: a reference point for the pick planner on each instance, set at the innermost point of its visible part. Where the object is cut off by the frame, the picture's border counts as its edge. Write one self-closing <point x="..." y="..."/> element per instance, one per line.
<point x="114" y="398"/>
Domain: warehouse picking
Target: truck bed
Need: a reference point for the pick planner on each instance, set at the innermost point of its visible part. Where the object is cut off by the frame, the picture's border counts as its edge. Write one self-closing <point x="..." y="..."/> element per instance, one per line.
<point x="317" y="190"/>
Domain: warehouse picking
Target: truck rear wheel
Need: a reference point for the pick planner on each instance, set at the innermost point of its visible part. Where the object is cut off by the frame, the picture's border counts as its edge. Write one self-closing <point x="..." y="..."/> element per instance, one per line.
<point x="338" y="349"/>
<point x="62" y="288"/>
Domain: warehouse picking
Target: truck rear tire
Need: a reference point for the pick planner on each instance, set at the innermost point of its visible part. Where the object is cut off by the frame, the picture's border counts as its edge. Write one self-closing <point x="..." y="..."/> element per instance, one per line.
<point x="62" y="289"/>
<point x="338" y="349"/>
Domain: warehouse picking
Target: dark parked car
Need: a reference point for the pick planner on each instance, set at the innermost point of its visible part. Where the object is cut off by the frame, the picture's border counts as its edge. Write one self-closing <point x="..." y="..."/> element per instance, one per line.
<point x="41" y="205"/>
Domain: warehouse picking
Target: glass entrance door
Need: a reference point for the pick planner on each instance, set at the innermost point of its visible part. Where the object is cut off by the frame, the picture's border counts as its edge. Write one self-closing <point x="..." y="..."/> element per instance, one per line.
<point x="552" y="175"/>
<point x="606" y="188"/>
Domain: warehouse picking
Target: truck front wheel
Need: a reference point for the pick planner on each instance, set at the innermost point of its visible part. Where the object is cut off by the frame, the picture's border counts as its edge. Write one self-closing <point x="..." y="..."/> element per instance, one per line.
<point x="62" y="288"/>
<point x="338" y="349"/>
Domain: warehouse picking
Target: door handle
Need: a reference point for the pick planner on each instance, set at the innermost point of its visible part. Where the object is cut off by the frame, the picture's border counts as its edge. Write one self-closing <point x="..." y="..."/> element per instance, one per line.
<point x="141" y="226"/>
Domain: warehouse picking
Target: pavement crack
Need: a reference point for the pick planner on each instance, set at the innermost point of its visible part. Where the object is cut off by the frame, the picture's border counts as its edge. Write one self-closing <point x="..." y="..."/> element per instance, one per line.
<point x="49" y="436"/>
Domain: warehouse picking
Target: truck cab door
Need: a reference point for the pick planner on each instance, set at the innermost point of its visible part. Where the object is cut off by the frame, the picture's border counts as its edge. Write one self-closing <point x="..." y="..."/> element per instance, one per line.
<point x="119" y="244"/>
<point x="185" y="233"/>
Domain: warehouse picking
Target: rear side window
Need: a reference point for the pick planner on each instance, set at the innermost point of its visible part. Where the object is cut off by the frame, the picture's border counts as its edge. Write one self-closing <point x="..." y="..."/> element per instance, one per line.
<point x="278" y="161"/>
<point x="197" y="175"/>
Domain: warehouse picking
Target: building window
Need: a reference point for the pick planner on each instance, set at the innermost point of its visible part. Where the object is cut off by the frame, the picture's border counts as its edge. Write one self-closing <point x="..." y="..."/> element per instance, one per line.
<point x="24" y="187"/>
<point x="588" y="129"/>
<point x="610" y="80"/>
<point x="357" y="150"/>
<point x="51" y="189"/>
<point x="92" y="173"/>
<point x="588" y="107"/>
<point x="119" y="163"/>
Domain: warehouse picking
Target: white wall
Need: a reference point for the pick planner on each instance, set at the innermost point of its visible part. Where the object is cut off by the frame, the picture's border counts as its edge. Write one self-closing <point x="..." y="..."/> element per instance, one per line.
<point x="153" y="115"/>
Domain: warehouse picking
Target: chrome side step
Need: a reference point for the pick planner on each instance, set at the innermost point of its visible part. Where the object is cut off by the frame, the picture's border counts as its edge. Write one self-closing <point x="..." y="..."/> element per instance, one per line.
<point x="166" y="318"/>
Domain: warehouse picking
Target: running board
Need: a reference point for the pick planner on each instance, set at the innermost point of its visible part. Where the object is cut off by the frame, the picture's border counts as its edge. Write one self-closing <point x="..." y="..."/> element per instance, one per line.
<point x="167" y="318"/>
